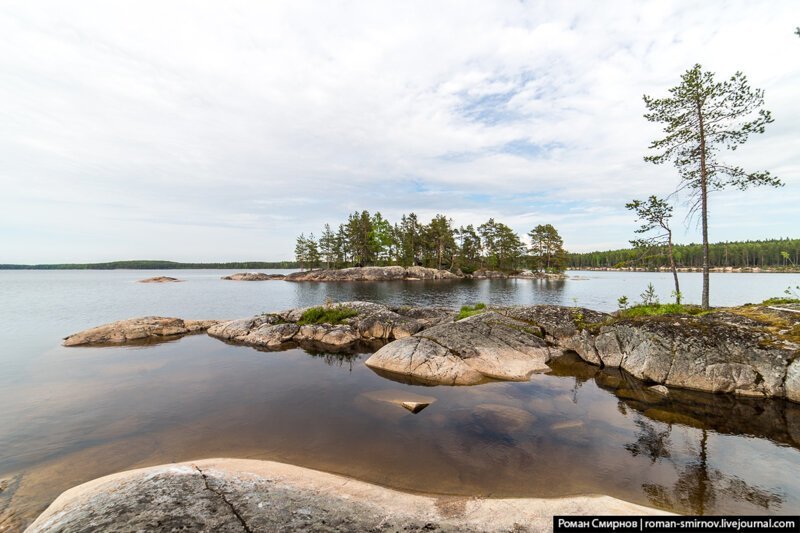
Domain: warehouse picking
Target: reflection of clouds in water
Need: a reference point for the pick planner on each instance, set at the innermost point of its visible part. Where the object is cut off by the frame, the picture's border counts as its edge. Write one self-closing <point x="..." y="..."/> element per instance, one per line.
<point x="554" y="435"/>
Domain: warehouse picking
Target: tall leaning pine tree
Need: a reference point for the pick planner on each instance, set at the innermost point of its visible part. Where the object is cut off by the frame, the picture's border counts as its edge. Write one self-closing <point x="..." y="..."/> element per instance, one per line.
<point x="702" y="116"/>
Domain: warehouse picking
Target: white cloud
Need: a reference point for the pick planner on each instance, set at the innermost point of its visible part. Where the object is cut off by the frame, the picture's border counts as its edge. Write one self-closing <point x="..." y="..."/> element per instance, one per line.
<point x="210" y="131"/>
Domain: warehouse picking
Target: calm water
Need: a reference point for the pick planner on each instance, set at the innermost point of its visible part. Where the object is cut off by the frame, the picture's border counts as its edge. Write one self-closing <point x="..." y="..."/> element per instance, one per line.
<point x="70" y="415"/>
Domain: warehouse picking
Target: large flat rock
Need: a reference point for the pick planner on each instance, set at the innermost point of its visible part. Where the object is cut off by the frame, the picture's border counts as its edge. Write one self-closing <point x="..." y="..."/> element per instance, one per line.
<point x="137" y="329"/>
<point x="234" y="495"/>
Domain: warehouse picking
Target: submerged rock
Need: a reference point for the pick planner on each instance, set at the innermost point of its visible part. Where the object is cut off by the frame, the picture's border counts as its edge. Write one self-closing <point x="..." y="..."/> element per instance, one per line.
<point x="467" y="352"/>
<point x="148" y="327"/>
<point x="408" y="400"/>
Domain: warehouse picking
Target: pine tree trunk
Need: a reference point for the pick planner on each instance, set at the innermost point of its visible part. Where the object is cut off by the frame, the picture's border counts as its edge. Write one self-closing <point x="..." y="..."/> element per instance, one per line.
<point x="674" y="270"/>
<point x="704" y="207"/>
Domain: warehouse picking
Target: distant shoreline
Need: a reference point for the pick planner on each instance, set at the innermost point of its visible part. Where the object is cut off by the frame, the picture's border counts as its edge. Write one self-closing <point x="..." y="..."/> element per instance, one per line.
<point x="288" y="265"/>
<point x="158" y="265"/>
<point x="732" y="270"/>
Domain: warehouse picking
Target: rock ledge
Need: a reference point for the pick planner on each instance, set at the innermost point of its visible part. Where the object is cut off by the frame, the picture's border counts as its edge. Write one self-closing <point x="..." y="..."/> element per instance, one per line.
<point x="247" y="495"/>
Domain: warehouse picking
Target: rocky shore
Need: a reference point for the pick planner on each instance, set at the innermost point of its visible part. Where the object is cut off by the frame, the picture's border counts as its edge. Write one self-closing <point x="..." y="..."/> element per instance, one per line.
<point x="233" y="495"/>
<point x="387" y="273"/>
<point x="749" y="351"/>
<point x="659" y="366"/>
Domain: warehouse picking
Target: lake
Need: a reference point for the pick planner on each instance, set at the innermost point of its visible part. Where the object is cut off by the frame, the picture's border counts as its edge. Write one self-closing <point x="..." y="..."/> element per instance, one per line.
<point x="73" y="414"/>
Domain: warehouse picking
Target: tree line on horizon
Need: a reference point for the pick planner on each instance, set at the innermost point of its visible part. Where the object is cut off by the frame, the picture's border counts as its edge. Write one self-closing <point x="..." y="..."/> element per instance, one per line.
<point x="768" y="253"/>
<point x="371" y="240"/>
<point x="148" y="264"/>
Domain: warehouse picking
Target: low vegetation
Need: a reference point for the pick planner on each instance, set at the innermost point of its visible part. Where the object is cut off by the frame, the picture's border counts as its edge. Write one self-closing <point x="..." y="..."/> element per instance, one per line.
<point x="326" y="315"/>
<point x="471" y="310"/>
<point x="781" y="301"/>
<point x="658" y="309"/>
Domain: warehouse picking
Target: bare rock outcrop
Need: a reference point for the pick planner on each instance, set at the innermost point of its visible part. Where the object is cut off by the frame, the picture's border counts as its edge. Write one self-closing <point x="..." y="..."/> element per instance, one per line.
<point x="489" y="274"/>
<point x="253" y="276"/>
<point x="138" y="329"/>
<point x="160" y="279"/>
<point x="369" y="322"/>
<point x="467" y="352"/>
<point x="749" y="351"/>
<point x="387" y="273"/>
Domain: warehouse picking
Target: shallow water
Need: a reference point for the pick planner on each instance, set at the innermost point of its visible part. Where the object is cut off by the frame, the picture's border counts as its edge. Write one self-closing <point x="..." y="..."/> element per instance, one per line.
<point x="73" y="414"/>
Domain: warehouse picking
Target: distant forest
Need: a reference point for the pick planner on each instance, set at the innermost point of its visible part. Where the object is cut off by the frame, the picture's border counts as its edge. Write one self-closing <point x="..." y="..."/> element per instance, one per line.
<point x="775" y="253"/>
<point x="154" y="265"/>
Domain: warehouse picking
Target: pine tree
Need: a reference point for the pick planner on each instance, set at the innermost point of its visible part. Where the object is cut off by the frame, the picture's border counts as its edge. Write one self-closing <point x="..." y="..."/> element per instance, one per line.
<point x="655" y="213"/>
<point x="300" y="251"/>
<point x="327" y="246"/>
<point x="547" y="249"/>
<point x="700" y="117"/>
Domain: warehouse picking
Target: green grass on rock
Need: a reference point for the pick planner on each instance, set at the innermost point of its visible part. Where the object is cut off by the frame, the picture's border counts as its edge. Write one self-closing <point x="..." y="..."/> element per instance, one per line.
<point x="326" y="315"/>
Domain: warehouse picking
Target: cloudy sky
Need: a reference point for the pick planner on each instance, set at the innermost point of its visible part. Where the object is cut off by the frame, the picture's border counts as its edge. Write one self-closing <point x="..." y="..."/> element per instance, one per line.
<point x="220" y="130"/>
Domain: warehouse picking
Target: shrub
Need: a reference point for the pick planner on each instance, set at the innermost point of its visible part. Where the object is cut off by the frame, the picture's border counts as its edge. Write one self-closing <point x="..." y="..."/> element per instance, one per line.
<point x="326" y="315"/>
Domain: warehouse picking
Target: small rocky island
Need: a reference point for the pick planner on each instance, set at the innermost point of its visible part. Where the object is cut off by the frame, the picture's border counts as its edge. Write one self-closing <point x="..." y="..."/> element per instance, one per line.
<point x="387" y="273"/>
<point x="160" y="279"/>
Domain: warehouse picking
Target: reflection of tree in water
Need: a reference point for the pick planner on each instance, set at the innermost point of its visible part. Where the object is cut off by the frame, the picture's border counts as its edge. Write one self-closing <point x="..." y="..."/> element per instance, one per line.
<point x="578" y="384"/>
<point x="335" y="358"/>
<point x="649" y="442"/>
<point x="699" y="485"/>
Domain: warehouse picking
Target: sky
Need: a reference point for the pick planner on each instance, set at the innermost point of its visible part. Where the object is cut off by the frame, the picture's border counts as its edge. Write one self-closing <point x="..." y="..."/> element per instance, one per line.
<point x="219" y="131"/>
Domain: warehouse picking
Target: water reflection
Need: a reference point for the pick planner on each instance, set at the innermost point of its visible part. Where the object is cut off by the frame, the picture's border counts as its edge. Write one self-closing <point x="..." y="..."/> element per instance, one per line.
<point x="776" y="420"/>
<point x="700" y="486"/>
<point x="650" y="442"/>
<point x="335" y="358"/>
<point x="577" y="430"/>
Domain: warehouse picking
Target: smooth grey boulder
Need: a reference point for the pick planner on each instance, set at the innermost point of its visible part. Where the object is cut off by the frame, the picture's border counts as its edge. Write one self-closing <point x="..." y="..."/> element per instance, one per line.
<point x="137" y="329"/>
<point x="467" y="352"/>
